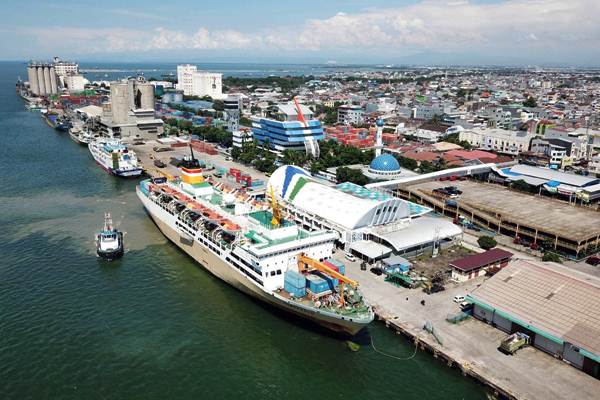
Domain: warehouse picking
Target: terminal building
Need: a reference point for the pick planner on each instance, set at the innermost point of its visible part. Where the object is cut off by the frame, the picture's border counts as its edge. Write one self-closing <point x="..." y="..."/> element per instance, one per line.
<point x="557" y="307"/>
<point x="284" y="129"/>
<point x="372" y="225"/>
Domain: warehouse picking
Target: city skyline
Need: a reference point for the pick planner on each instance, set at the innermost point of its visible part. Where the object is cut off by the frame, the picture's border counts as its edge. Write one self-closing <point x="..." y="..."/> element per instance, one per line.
<point x="520" y="32"/>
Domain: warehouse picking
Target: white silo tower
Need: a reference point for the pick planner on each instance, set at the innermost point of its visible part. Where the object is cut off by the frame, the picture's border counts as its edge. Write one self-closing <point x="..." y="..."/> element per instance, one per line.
<point x="47" y="79"/>
<point x="33" y="80"/>
<point x="53" y="83"/>
<point x="146" y="95"/>
<point x="379" y="137"/>
<point x="119" y="102"/>
<point x="41" y="82"/>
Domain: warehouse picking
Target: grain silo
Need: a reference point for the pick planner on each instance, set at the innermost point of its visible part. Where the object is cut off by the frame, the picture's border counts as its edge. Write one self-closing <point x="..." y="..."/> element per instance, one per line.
<point x="33" y="79"/>
<point x="53" y="84"/>
<point x="146" y="96"/>
<point x="41" y="82"/>
<point x="120" y="99"/>
<point x="47" y="79"/>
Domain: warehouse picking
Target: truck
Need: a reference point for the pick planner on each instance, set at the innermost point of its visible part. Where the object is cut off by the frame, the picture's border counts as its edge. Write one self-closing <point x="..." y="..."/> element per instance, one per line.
<point x="514" y="342"/>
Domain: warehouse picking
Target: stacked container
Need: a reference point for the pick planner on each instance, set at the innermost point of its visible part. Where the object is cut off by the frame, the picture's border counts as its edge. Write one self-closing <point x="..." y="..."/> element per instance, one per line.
<point x="317" y="284"/>
<point x="294" y="283"/>
<point x="339" y="266"/>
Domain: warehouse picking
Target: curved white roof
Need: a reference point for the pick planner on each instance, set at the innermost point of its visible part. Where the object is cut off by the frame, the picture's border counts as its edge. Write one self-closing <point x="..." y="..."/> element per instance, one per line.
<point x="296" y="186"/>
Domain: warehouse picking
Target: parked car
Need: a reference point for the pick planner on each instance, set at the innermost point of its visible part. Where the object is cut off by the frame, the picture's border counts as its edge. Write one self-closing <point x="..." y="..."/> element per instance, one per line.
<point x="158" y="163"/>
<point x="593" y="260"/>
<point x="458" y="298"/>
<point x="377" y="271"/>
<point x="349" y="257"/>
<point x="466" y="306"/>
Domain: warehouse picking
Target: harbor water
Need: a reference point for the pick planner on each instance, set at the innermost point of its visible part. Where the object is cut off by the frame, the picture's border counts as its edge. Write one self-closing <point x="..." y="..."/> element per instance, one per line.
<point x="153" y="325"/>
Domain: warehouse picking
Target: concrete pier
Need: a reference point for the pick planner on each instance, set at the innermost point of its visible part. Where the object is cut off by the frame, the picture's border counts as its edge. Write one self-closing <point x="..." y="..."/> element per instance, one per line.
<point x="471" y="345"/>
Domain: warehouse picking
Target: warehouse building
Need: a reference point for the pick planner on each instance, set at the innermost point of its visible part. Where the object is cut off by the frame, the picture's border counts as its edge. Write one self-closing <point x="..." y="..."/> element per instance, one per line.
<point x="559" y="308"/>
<point x="372" y="225"/>
<point x="480" y="264"/>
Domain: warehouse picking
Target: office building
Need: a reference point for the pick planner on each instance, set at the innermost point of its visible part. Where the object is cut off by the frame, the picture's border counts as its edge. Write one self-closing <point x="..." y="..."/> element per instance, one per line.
<point x="199" y="83"/>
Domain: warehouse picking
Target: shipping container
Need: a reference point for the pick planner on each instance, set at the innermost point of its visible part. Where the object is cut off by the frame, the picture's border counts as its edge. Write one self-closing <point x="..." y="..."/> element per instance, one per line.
<point x="332" y="283"/>
<point x="294" y="278"/>
<point x="341" y="266"/>
<point x="293" y="290"/>
<point x="316" y="284"/>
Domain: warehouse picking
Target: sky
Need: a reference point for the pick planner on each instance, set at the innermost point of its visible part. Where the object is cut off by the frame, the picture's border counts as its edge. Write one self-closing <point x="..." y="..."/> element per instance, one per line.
<point x="456" y="32"/>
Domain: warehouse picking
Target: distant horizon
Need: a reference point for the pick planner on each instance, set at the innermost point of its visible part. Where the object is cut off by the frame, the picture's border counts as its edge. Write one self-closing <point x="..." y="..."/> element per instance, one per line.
<point x="547" y="33"/>
<point x="382" y="65"/>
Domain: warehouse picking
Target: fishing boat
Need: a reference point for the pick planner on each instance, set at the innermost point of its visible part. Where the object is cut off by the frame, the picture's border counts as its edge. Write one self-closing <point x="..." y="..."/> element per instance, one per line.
<point x="109" y="241"/>
<point x="80" y="136"/>
<point x="115" y="158"/>
<point x="254" y="248"/>
<point x="62" y="124"/>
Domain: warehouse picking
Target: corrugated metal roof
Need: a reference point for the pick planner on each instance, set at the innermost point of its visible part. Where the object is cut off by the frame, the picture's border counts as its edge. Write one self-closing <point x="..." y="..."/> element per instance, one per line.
<point x="551" y="175"/>
<point x="561" y="302"/>
<point x="476" y="261"/>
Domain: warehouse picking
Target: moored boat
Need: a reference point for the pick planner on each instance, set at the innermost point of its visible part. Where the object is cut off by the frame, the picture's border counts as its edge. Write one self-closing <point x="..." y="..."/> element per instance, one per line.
<point x="256" y="250"/>
<point x="115" y="158"/>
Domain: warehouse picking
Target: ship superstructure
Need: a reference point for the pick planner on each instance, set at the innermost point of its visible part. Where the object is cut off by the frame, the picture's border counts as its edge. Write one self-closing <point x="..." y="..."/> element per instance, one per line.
<point x="251" y="246"/>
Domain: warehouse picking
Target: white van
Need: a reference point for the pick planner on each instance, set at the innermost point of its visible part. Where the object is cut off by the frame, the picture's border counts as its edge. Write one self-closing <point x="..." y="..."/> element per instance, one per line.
<point x="459" y="298"/>
<point x="349" y="257"/>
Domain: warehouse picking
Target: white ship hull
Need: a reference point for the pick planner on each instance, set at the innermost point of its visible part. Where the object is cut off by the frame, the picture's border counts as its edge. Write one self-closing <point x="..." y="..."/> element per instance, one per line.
<point x="218" y="266"/>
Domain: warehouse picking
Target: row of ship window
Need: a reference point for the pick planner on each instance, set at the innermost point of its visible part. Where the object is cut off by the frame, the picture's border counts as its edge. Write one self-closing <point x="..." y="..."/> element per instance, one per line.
<point x="241" y="268"/>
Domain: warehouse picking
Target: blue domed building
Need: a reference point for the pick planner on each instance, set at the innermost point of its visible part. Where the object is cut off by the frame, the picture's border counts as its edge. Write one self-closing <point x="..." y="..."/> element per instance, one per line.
<point x="384" y="166"/>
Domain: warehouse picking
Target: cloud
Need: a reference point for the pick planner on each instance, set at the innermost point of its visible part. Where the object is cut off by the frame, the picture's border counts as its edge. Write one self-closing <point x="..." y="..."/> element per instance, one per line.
<point x="137" y="14"/>
<point x="431" y="25"/>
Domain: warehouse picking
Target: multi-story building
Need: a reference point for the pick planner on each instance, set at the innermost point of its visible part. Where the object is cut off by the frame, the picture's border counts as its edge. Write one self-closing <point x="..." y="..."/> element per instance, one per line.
<point x="74" y="82"/>
<point x="199" y="83"/>
<point x="64" y="68"/>
<point x="240" y="137"/>
<point x="558" y="151"/>
<point x="283" y="129"/>
<point x="350" y="114"/>
<point x="499" y="140"/>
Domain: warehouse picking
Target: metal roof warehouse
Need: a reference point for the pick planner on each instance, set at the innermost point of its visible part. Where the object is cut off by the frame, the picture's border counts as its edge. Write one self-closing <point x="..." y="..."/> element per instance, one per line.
<point x="559" y="308"/>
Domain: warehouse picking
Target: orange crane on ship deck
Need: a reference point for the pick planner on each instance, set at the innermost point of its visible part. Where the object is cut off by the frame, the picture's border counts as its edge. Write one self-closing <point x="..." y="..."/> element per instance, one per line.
<point x="306" y="263"/>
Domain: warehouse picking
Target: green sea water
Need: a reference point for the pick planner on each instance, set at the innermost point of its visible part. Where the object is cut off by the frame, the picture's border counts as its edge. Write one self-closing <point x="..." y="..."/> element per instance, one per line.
<point x="153" y="325"/>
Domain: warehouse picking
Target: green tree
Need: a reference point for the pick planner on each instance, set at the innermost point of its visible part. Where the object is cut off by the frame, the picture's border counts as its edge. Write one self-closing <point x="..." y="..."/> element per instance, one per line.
<point x="553" y="257"/>
<point x="345" y="174"/>
<point x="486" y="242"/>
<point x="407" y="163"/>
<point x="530" y="102"/>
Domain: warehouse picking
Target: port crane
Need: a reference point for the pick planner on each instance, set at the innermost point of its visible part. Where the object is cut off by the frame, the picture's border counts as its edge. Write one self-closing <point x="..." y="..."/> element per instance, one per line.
<point x="306" y="263"/>
<point x="276" y="211"/>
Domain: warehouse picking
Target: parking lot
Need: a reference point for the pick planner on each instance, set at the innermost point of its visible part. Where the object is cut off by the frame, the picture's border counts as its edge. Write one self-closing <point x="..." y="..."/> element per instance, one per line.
<point x="543" y="213"/>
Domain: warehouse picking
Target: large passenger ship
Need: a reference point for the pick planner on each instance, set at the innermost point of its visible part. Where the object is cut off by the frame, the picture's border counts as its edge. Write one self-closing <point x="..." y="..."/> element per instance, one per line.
<point x="115" y="158"/>
<point x="251" y="246"/>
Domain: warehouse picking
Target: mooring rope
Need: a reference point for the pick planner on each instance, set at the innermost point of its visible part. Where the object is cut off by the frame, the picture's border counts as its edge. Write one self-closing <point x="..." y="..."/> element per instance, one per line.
<point x="391" y="355"/>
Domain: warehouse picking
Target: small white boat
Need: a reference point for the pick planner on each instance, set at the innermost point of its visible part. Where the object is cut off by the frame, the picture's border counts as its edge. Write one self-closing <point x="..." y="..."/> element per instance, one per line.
<point x="109" y="241"/>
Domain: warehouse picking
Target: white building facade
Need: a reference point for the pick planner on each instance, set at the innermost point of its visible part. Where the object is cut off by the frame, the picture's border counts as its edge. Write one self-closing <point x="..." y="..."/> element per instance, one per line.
<point x="199" y="83"/>
<point x="499" y="140"/>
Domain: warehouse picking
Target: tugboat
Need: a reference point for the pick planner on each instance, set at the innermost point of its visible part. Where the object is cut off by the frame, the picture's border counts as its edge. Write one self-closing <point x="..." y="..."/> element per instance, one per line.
<point x="109" y="242"/>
